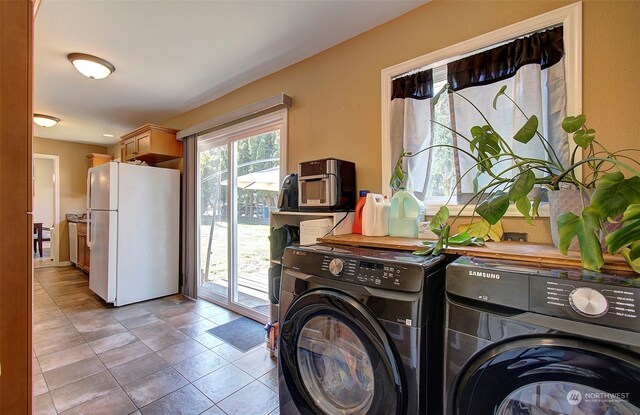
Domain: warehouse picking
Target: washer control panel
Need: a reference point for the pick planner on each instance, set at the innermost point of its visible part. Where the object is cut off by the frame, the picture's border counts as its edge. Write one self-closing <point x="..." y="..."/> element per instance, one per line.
<point x="336" y="266"/>
<point x="374" y="273"/>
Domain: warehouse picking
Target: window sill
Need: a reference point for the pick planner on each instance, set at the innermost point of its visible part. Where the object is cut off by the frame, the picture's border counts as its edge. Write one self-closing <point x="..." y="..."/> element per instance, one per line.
<point x="512" y="212"/>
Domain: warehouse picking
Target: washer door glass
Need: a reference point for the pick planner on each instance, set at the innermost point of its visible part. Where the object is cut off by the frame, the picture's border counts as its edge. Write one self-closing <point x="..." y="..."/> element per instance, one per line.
<point x="556" y="398"/>
<point x="335" y="367"/>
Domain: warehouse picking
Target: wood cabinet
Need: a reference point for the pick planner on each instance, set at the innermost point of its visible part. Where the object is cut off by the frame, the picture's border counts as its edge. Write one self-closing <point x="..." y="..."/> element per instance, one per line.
<point x="16" y="219"/>
<point x="84" y="253"/>
<point x="96" y="159"/>
<point x="150" y="143"/>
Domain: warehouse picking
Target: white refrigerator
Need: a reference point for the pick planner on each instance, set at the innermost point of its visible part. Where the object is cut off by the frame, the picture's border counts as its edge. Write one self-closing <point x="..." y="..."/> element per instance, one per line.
<point x="132" y="227"/>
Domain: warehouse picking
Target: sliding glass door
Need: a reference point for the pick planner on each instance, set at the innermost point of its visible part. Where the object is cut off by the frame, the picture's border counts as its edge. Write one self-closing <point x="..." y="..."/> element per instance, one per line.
<point x="240" y="175"/>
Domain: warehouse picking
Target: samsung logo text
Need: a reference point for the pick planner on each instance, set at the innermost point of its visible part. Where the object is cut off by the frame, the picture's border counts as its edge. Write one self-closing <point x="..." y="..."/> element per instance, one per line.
<point x="489" y="275"/>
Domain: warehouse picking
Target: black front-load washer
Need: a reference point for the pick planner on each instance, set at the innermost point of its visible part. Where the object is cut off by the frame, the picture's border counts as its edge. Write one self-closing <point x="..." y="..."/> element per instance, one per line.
<point x="525" y="339"/>
<point x="360" y="332"/>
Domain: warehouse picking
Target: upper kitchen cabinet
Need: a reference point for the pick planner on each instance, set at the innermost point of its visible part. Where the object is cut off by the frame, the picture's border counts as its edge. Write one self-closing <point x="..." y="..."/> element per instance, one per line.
<point x="150" y="143"/>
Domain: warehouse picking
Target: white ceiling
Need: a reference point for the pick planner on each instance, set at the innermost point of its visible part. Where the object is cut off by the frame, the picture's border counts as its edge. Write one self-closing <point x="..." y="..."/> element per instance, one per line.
<point x="173" y="56"/>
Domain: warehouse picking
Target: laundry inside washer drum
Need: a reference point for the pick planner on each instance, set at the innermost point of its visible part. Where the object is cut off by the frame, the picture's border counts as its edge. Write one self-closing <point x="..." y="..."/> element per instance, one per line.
<point x="334" y="363"/>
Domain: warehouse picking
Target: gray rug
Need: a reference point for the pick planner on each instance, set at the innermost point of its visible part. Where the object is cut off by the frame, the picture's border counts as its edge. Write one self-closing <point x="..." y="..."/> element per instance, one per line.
<point x="242" y="333"/>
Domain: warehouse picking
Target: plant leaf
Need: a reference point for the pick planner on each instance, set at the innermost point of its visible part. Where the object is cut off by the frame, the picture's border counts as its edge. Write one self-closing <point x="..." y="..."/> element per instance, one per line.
<point x="438" y="94"/>
<point x="528" y="130"/>
<point x="614" y="194"/>
<point x="459" y="239"/>
<point x="494" y="207"/>
<point x="524" y="207"/>
<point x="397" y="176"/>
<point x="584" y="138"/>
<point x="573" y="124"/>
<point x="634" y="251"/>
<point x="584" y="228"/>
<point x="534" y="208"/>
<point x="424" y="252"/>
<point x="486" y="145"/>
<point x="439" y="219"/>
<point x="628" y="234"/>
<point x="623" y="237"/>
<point x="483" y="229"/>
<point x="634" y="264"/>
<point x="522" y="186"/>
<point x="439" y="245"/>
<point x="500" y="92"/>
<point x="475" y="241"/>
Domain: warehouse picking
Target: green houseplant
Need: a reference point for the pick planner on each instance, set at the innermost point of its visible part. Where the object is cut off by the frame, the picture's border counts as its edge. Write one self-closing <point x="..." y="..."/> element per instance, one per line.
<point x="609" y="187"/>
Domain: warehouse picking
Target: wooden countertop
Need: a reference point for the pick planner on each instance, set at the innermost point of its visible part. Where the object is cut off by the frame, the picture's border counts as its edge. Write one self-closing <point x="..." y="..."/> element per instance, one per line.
<point x="544" y="254"/>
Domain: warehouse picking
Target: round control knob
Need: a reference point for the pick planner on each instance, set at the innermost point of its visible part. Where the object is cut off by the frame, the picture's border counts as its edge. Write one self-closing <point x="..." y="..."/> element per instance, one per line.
<point x="588" y="302"/>
<point x="335" y="266"/>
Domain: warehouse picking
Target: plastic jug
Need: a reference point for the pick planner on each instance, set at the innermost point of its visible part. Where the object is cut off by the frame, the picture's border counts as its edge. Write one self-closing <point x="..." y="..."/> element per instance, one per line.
<point x="375" y="216"/>
<point x="357" y="217"/>
<point x="406" y="211"/>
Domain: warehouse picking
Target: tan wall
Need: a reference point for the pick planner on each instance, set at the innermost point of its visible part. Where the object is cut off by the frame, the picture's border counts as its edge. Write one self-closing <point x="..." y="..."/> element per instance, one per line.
<point x="336" y="94"/>
<point x="73" y="180"/>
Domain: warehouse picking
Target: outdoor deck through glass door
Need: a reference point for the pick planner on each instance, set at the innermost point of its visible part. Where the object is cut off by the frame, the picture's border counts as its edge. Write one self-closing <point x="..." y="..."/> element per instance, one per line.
<point x="239" y="184"/>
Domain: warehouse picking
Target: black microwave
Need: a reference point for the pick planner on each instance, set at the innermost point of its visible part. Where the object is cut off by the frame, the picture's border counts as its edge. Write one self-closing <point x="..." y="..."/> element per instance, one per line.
<point x="326" y="185"/>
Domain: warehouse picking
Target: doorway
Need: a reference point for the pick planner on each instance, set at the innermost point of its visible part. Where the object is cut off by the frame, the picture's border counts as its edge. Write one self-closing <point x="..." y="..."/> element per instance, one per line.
<point x="240" y="171"/>
<point x="46" y="210"/>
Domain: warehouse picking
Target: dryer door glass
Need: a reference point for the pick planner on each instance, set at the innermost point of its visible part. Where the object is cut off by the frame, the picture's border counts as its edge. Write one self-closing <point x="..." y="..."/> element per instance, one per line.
<point x="568" y="377"/>
<point x="335" y="366"/>
<point x="564" y="398"/>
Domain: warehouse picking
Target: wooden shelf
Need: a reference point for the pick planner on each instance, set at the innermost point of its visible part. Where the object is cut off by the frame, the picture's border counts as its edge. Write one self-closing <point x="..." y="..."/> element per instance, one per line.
<point x="544" y="254"/>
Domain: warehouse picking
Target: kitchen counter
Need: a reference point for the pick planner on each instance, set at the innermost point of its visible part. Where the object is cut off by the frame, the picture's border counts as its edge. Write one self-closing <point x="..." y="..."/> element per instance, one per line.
<point x="76" y="217"/>
<point x="544" y="254"/>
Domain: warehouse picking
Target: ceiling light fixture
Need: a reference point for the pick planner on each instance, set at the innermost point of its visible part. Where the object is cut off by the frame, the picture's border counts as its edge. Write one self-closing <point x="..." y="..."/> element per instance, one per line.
<point x="45" y="120"/>
<point x="107" y="135"/>
<point x="91" y="66"/>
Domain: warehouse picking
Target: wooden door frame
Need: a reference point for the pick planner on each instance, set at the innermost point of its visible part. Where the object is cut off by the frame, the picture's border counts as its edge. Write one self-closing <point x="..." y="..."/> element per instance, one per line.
<point x="16" y="204"/>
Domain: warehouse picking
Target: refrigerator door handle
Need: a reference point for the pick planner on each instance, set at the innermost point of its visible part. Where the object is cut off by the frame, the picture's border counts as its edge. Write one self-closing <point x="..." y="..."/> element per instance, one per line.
<point x="89" y="174"/>
<point x="89" y="230"/>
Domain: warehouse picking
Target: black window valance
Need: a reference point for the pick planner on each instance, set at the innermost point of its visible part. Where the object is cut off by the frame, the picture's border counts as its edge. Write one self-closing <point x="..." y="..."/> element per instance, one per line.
<point x="418" y="85"/>
<point x="544" y="48"/>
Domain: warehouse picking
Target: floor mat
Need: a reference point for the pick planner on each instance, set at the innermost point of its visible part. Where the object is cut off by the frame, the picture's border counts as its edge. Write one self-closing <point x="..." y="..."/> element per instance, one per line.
<point x="242" y="333"/>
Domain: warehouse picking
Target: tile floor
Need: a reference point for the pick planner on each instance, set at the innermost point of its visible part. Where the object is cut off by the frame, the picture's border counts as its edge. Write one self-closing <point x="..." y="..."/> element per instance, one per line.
<point x="148" y="358"/>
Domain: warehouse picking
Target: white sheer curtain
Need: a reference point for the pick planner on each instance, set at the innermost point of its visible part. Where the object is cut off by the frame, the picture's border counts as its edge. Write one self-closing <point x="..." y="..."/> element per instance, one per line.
<point x="411" y="128"/>
<point x="537" y="91"/>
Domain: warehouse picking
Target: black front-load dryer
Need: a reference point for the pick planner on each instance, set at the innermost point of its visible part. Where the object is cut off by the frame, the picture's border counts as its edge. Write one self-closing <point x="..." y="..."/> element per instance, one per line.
<point x="528" y="340"/>
<point x="360" y="332"/>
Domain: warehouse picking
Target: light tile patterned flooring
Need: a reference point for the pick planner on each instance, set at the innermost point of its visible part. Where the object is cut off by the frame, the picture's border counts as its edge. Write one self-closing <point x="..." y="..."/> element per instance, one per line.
<point x="151" y="358"/>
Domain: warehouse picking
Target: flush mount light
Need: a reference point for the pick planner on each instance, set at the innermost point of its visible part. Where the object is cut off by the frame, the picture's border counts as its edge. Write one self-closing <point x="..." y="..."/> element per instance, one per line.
<point x="45" y="120"/>
<point x="91" y="66"/>
<point x="107" y="135"/>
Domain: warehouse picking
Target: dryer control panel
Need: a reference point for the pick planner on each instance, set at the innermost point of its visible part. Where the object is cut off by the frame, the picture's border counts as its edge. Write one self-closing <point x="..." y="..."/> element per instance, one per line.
<point x="570" y="293"/>
<point x="612" y="305"/>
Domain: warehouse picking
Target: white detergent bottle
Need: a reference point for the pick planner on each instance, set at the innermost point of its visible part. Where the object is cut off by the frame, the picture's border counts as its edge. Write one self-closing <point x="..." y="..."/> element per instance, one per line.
<point x="406" y="211"/>
<point x="375" y="216"/>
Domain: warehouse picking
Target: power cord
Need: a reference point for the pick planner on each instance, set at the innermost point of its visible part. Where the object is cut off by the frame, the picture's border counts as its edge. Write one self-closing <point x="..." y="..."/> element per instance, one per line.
<point x="337" y="224"/>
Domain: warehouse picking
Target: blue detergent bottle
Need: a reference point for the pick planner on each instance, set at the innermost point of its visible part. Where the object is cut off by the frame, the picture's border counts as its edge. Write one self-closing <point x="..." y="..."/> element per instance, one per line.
<point x="404" y="215"/>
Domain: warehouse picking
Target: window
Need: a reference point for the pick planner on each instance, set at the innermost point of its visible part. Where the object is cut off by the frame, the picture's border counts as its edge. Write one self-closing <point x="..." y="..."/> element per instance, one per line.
<point x="414" y="123"/>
